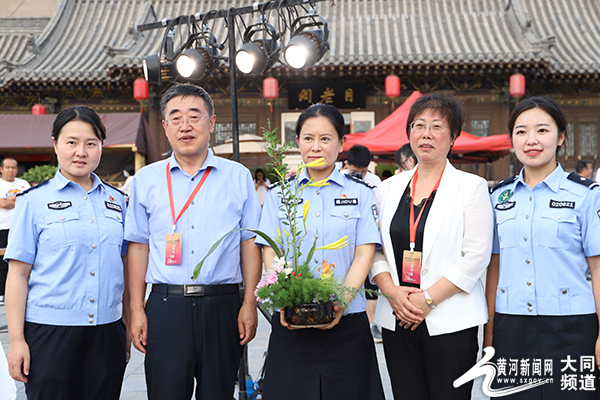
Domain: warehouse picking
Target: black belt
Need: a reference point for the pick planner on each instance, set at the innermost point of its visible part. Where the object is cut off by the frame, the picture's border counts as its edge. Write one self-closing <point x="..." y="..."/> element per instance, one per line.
<point x="195" y="290"/>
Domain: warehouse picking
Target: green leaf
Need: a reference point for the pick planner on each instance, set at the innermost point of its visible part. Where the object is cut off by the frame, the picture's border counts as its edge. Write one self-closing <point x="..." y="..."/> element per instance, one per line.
<point x="312" y="250"/>
<point x="218" y="242"/>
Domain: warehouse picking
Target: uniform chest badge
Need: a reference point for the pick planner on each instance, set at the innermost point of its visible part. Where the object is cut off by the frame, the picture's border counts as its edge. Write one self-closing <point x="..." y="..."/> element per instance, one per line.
<point x="113" y="206"/>
<point x="59" y="205"/>
<point x="505" y="196"/>
<point x="344" y="200"/>
<point x="112" y="199"/>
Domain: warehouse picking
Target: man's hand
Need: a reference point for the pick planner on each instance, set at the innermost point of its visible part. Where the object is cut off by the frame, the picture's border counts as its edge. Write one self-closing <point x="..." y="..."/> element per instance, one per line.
<point x="19" y="360"/>
<point x="139" y="330"/>
<point x="247" y="322"/>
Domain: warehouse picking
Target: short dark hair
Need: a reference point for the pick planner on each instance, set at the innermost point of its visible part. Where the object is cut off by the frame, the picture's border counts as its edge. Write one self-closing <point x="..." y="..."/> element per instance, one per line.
<point x="404" y="153"/>
<point x="448" y="106"/>
<point x="79" y="113"/>
<point x="545" y="103"/>
<point x="359" y="156"/>
<point x="130" y="169"/>
<point x="8" y="158"/>
<point x="580" y="165"/>
<point x="323" y="110"/>
<point x="184" y="90"/>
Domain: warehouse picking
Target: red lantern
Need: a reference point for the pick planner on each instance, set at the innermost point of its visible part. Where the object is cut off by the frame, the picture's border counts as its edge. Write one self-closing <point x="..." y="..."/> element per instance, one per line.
<point x="517" y="85"/>
<point x="270" y="90"/>
<point x="392" y="86"/>
<point x="140" y="89"/>
<point x="38" y="109"/>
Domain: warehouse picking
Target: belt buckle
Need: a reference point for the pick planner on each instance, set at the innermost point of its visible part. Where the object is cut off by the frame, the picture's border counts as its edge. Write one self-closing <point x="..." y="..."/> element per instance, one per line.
<point x="193" y="290"/>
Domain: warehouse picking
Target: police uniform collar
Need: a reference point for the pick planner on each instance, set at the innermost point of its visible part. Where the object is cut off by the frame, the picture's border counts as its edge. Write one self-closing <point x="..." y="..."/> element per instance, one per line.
<point x="552" y="180"/>
<point x="211" y="161"/>
<point x="335" y="176"/>
<point x="61" y="181"/>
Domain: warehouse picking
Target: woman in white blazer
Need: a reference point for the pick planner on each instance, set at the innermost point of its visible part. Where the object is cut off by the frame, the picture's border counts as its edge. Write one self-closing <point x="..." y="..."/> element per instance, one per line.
<point x="439" y="282"/>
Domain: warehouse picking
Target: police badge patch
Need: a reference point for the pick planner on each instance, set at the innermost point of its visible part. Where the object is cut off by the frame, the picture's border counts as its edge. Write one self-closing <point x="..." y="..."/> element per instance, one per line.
<point x="376" y="215"/>
<point x="59" y="205"/>
<point x="505" y="196"/>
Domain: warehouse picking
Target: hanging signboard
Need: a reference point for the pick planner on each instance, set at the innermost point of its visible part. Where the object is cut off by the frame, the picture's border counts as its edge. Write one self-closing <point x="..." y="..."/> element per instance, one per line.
<point x="339" y="94"/>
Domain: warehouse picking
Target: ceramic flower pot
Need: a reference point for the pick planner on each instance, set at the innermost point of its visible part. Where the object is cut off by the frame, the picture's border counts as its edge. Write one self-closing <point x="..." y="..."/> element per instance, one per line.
<point x="309" y="315"/>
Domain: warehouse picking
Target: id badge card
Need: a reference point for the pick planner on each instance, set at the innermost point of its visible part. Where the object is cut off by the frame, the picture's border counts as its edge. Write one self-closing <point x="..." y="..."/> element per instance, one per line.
<point x="411" y="267"/>
<point x="173" y="249"/>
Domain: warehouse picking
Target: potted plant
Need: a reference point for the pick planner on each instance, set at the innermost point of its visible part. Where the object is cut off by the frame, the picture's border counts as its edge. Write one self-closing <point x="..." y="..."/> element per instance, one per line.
<point x="305" y="299"/>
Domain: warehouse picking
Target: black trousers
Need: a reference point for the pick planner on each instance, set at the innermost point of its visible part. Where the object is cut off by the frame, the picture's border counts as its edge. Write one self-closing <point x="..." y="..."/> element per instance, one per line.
<point x="75" y="362"/>
<point x="424" y="367"/>
<point x="3" y="264"/>
<point x="192" y="338"/>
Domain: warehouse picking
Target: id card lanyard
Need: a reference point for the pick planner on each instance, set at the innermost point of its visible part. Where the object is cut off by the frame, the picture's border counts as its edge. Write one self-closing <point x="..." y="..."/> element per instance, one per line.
<point x="411" y="260"/>
<point x="173" y="241"/>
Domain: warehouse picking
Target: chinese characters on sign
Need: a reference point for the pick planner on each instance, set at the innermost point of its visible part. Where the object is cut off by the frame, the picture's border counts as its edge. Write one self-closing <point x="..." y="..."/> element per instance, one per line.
<point x="339" y="94"/>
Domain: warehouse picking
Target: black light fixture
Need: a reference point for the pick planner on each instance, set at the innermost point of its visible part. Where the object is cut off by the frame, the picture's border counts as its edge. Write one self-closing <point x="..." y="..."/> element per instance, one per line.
<point x="151" y="67"/>
<point x="307" y="46"/>
<point x="193" y="64"/>
<point x="258" y="55"/>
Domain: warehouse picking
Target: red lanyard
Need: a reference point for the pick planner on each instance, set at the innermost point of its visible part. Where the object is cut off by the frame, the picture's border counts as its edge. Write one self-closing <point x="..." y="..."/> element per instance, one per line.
<point x="412" y="223"/>
<point x="187" y="204"/>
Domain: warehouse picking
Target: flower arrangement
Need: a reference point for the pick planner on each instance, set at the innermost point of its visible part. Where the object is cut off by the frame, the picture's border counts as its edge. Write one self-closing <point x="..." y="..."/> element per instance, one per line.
<point x="290" y="281"/>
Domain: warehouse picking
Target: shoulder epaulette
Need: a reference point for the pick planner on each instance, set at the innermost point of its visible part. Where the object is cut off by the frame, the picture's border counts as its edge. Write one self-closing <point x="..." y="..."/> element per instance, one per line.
<point x="42" y="183"/>
<point x="504" y="182"/>
<point x="575" y="177"/>
<point x="355" y="179"/>
<point x="117" y="189"/>
<point x="278" y="183"/>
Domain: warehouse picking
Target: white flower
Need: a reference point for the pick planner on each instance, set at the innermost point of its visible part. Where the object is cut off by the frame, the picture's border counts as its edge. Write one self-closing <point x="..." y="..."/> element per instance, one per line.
<point x="278" y="264"/>
<point x="288" y="271"/>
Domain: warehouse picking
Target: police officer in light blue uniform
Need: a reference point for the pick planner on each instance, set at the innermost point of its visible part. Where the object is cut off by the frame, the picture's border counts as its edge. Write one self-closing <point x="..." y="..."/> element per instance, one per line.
<point x="547" y="234"/>
<point x="66" y="280"/>
<point x="345" y="206"/>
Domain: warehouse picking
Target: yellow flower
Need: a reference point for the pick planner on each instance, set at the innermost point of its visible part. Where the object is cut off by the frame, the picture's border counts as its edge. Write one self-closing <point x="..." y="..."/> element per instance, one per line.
<point x="305" y="210"/>
<point x="338" y="244"/>
<point x="320" y="183"/>
<point x="316" y="163"/>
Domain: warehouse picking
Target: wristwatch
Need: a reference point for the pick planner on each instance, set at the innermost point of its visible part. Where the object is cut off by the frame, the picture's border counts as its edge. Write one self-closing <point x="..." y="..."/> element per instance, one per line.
<point x="428" y="299"/>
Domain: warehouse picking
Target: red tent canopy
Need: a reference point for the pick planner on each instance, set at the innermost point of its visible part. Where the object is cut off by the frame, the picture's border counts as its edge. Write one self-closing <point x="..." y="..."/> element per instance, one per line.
<point x="390" y="134"/>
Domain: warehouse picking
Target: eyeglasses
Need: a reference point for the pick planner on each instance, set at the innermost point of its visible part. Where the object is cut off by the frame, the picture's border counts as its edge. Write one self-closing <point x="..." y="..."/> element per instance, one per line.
<point x="434" y="128"/>
<point x="192" y="120"/>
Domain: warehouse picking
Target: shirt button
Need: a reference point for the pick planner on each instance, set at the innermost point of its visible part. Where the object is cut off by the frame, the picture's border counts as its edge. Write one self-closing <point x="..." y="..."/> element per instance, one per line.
<point x="530" y="198"/>
<point x="62" y="218"/>
<point x="91" y="321"/>
<point x="424" y="272"/>
<point x="316" y="261"/>
<point x="528" y="283"/>
<point x="85" y="197"/>
<point x="527" y="261"/>
<point x="558" y="216"/>
<point x="192" y="226"/>
<point x="525" y="238"/>
<point x="318" y="192"/>
<point x="93" y="246"/>
<point x="91" y="315"/>
<point x="502" y="290"/>
<point x="318" y="214"/>
<point x="564" y="291"/>
<point x="192" y="251"/>
<point x="529" y="304"/>
<point x="91" y="220"/>
<point x="346" y="215"/>
<point x="192" y="179"/>
<point x="91" y="300"/>
<point x="193" y="202"/>
<point x="92" y="273"/>
<point x="500" y="218"/>
<point x="530" y="309"/>
<point x="527" y="217"/>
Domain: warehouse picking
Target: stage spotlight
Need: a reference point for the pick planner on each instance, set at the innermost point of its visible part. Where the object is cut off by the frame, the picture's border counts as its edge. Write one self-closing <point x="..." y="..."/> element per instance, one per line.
<point x="257" y="56"/>
<point x="193" y="64"/>
<point x="151" y="66"/>
<point x="305" y="49"/>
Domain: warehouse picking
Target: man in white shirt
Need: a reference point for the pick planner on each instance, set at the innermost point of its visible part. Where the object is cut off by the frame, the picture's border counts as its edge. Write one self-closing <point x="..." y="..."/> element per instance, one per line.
<point x="10" y="186"/>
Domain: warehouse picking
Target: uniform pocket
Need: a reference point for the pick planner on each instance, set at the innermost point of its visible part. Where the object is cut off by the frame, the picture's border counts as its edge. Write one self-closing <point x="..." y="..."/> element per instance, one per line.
<point x="558" y="227"/>
<point x="61" y="228"/>
<point x="506" y="225"/>
<point x="347" y="218"/>
<point x="114" y="225"/>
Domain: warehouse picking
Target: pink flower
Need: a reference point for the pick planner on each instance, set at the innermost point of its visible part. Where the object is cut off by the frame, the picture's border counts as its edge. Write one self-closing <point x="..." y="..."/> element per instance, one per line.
<point x="271" y="278"/>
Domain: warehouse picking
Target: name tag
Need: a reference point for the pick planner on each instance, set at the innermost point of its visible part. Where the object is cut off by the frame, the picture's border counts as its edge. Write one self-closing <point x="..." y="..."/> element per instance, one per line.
<point x="173" y="249"/>
<point x="507" y="205"/>
<point x="411" y="267"/>
<point x="346" y="201"/>
<point x="59" y="205"/>
<point x="562" y="204"/>
<point x="113" y="206"/>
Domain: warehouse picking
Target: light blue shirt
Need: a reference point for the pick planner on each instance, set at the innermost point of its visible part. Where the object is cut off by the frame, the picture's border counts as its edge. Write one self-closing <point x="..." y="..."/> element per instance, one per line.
<point x="345" y="207"/>
<point x="543" y="236"/>
<point x="226" y="201"/>
<point x="74" y="241"/>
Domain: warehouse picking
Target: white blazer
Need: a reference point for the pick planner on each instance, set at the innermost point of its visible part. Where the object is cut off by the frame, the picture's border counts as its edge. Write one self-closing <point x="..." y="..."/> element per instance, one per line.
<point x="457" y="245"/>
